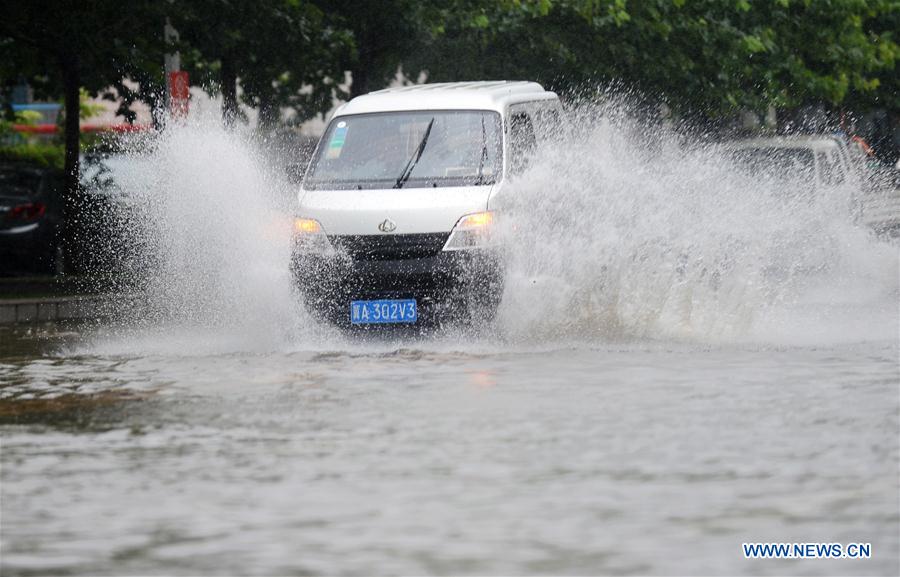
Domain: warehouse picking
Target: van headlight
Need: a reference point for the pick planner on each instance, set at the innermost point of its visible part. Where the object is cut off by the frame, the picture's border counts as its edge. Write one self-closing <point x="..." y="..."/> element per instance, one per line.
<point x="475" y="230"/>
<point x="310" y="237"/>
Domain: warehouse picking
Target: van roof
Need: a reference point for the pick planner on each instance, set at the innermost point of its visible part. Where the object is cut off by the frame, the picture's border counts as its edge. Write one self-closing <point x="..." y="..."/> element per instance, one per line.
<point x="489" y="95"/>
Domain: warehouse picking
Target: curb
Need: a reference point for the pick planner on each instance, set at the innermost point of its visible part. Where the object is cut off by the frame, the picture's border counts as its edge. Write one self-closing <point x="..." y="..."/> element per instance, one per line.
<point x="13" y="311"/>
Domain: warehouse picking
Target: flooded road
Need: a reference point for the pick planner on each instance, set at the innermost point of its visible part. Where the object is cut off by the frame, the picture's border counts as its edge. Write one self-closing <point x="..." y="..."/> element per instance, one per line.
<point x="436" y="455"/>
<point x="685" y="360"/>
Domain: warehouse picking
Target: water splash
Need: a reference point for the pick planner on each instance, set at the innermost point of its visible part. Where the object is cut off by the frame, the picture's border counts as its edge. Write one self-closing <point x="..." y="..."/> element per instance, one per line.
<point x="627" y="231"/>
<point x="619" y="230"/>
<point x="214" y="228"/>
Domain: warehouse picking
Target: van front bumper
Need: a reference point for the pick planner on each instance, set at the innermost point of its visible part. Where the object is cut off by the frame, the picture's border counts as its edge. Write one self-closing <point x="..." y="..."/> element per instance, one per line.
<point x="449" y="285"/>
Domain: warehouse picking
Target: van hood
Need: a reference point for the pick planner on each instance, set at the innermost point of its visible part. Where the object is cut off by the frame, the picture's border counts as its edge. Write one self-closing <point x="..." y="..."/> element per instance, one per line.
<point x="409" y="210"/>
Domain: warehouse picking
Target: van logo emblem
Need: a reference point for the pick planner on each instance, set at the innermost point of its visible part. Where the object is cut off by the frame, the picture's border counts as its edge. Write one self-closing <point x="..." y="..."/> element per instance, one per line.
<point x="387" y="226"/>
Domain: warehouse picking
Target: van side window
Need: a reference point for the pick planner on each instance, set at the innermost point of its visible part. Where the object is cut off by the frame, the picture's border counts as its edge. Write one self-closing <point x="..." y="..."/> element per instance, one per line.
<point x="547" y="123"/>
<point x="521" y="142"/>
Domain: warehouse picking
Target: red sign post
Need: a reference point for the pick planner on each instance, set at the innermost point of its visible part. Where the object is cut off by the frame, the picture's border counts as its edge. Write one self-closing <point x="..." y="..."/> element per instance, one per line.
<point x="179" y="93"/>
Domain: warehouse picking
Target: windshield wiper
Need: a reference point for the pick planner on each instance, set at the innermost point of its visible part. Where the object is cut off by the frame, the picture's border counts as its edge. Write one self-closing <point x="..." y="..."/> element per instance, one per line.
<point x="484" y="153"/>
<point x="411" y="164"/>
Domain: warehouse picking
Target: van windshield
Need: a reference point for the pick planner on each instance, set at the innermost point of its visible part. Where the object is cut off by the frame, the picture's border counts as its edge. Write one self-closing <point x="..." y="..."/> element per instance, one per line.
<point x="462" y="148"/>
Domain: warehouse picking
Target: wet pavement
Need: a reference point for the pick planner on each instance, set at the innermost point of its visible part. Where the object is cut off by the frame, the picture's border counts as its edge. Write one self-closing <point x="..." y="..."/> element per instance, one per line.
<point x="135" y="454"/>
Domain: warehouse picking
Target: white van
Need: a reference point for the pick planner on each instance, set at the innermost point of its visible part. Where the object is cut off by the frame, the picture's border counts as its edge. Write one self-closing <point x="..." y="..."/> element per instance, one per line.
<point x="395" y="222"/>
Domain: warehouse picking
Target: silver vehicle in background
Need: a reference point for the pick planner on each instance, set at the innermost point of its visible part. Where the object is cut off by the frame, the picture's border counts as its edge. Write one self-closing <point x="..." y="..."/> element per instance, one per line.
<point x="828" y="165"/>
<point x="822" y="161"/>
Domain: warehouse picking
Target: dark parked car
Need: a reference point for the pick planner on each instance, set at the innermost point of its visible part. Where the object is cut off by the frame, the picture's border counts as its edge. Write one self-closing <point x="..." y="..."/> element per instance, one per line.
<point x="30" y="219"/>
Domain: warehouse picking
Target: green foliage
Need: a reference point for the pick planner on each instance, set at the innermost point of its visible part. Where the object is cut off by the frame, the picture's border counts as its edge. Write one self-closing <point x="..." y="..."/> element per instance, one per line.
<point x="85" y="108"/>
<point x="105" y="39"/>
<point x="286" y="53"/>
<point x="51" y="155"/>
<point x="708" y="55"/>
<point x="387" y="34"/>
<point x="27" y="117"/>
<point x="7" y="134"/>
<point x="712" y="56"/>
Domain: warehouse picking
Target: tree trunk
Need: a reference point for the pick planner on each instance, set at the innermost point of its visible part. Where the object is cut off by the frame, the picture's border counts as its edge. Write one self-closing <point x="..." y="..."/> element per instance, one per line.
<point x="269" y="113"/>
<point x="71" y="74"/>
<point x="228" y="77"/>
<point x="360" y="84"/>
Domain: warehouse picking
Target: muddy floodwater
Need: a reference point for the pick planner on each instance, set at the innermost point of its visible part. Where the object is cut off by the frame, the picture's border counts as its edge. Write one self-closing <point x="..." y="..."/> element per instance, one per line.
<point x="436" y="455"/>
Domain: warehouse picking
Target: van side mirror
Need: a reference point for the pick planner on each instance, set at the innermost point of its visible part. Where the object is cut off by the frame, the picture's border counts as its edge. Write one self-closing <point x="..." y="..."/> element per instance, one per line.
<point x="295" y="173"/>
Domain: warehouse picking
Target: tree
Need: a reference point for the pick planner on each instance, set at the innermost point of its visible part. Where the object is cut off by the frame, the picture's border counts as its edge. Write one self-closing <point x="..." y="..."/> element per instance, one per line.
<point x="298" y="64"/>
<point x="507" y="40"/>
<point x="708" y="56"/>
<point x="286" y="53"/>
<point x="386" y="34"/>
<point x="62" y="46"/>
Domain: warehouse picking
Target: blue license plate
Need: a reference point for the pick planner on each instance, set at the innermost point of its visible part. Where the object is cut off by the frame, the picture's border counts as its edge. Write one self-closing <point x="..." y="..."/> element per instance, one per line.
<point x="383" y="311"/>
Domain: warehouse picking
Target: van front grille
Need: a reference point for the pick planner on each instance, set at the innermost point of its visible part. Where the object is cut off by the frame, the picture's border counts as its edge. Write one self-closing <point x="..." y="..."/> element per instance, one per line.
<point x="390" y="246"/>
